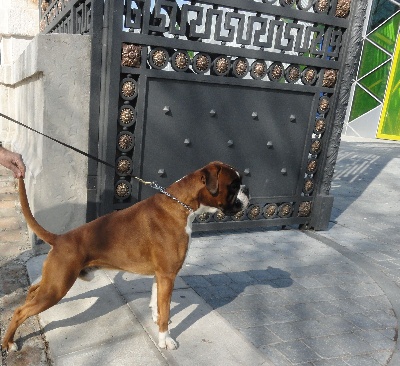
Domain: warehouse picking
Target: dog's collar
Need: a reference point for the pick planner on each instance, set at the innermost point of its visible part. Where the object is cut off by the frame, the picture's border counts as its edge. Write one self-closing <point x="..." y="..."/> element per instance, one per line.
<point x="161" y="189"/>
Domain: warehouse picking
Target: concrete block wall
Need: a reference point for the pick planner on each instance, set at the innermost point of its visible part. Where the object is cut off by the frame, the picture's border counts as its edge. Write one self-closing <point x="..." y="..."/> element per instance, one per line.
<point x="19" y="23"/>
<point x="48" y="88"/>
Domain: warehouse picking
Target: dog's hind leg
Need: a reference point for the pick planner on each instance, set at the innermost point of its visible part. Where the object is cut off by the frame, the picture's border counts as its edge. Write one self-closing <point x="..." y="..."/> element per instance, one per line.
<point x="40" y="297"/>
<point x="153" y="301"/>
<point x="32" y="291"/>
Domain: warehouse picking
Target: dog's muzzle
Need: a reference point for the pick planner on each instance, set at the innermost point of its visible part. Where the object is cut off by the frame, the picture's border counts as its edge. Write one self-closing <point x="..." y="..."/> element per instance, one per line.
<point x="241" y="202"/>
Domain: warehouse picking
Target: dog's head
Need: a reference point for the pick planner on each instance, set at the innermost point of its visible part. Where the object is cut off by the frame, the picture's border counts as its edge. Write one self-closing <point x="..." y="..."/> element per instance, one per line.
<point x="223" y="188"/>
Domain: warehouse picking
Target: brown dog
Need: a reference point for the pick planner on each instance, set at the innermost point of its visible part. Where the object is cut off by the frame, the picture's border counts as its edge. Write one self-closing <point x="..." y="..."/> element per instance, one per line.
<point x="150" y="237"/>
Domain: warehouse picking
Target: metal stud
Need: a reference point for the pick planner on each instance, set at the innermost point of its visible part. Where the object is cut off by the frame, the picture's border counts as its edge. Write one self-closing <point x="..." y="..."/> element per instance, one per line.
<point x="230" y="143"/>
<point x="284" y="171"/>
<point x="213" y="113"/>
<point x="270" y="145"/>
<point x="161" y="172"/>
<point x="246" y="172"/>
<point x="187" y="142"/>
<point x="254" y="115"/>
<point x="292" y="118"/>
<point x="167" y="109"/>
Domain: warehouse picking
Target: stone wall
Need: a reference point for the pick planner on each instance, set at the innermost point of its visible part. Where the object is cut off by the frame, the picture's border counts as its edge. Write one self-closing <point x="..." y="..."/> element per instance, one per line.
<point x="48" y="88"/>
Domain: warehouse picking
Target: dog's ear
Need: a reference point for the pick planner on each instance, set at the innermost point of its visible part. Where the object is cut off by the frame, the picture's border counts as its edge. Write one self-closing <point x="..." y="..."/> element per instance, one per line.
<point x="210" y="177"/>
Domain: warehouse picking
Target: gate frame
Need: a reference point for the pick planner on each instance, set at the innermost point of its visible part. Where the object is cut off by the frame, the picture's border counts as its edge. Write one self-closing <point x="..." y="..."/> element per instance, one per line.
<point x="103" y="29"/>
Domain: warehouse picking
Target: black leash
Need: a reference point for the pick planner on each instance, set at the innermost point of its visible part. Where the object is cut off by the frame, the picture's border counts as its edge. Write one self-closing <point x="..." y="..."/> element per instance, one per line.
<point x="153" y="185"/>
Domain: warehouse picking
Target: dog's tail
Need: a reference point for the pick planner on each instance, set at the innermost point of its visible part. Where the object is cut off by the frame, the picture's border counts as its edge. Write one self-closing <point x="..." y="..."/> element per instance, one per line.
<point x="42" y="233"/>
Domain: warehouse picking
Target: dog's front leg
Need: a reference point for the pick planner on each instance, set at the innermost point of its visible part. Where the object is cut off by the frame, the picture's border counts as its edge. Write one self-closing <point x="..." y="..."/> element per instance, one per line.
<point x="165" y="285"/>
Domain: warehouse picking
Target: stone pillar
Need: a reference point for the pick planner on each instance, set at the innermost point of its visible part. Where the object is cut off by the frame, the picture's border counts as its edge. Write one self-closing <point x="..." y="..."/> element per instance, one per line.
<point x="48" y="88"/>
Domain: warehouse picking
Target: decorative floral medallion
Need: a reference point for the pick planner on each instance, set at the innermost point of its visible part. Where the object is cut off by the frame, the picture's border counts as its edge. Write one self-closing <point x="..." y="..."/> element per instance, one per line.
<point x="329" y="80"/>
<point x="308" y="186"/>
<point x="292" y="73"/>
<point x="316" y="146"/>
<point x="220" y="216"/>
<point x="221" y="65"/>
<point x="309" y="76"/>
<point x="44" y="5"/>
<point x="131" y="55"/>
<point x="270" y="210"/>
<point x="158" y="58"/>
<point x="312" y="166"/>
<point x="320" y="125"/>
<point x="124" y="165"/>
<point x="204" y="217"/>
<point x="323" y="105"/>
<point x="285" y="210"/>
<point x="240" y="67"/>
<point x="180" y="61"/>
<point x="127" y="116"/>
<point x="122" y="190"/>
<point x="254" y="212"/>
<point x="321" y="6"/>
<point x="42" y="25"/>
<point x="128" y="89"/>
<point x="275" y="71"/>
<point x="343" y="8"/>
<point x="304" y="209"/>
<point x="238" y="216"/>
<point x="201" y="63"/>
<point x="126" y="141"/>
<point x="258" y="69"/>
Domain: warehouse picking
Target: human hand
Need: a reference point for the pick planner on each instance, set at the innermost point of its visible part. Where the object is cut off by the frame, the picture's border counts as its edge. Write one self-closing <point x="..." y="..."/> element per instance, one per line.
<point x="12" y="161"/>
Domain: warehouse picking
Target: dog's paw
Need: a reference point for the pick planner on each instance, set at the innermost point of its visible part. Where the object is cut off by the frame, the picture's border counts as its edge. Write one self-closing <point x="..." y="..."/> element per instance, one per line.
<point x="166" y="342"/>
<point x="11" y="347"/>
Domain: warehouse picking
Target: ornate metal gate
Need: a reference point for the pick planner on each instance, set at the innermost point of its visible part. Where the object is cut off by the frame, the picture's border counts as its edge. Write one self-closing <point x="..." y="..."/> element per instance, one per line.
<point x="261" y="85"/>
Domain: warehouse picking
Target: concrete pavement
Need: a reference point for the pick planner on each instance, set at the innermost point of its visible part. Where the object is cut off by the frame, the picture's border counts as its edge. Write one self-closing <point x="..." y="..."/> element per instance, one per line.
<point x="266" y="297"/>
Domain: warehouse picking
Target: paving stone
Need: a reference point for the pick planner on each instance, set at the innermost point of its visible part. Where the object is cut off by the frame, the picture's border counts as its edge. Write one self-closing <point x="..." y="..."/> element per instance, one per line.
<point x="338" y="345"/>
<point x="384" y="319"/>
<point x="305" y="311"/>
<point x="331" y="362"/>
<point x="297" y="352"/>
<point x="362" y="361"/>
<point x="362" y="321"/>
<point x="260" y="336"/>
<point x="377" y="340"/>
<point x="275" y="356"/>
<point x="297" y="330"/>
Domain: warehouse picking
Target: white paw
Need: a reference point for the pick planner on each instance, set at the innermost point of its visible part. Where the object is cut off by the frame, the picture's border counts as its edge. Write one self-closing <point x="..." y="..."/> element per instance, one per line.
<point x="166" y="342"/>
<point x="12" y="347"/>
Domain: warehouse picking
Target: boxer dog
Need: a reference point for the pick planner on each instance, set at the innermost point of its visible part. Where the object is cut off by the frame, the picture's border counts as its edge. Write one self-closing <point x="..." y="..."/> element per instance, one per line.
<point x="149" y="238"/>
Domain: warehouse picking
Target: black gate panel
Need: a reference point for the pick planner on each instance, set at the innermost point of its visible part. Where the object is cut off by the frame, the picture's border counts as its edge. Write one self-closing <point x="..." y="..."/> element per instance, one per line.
<point x="259" y="84"/>
<point x="249" y="128"/>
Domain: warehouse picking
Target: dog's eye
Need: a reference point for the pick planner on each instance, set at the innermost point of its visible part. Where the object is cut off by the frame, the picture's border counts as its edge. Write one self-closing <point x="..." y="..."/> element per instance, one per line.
<point x="235" y="186"/>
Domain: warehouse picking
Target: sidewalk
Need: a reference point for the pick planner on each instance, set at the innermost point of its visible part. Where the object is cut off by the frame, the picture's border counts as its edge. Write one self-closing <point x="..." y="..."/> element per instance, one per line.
<point x="243" y="298"/>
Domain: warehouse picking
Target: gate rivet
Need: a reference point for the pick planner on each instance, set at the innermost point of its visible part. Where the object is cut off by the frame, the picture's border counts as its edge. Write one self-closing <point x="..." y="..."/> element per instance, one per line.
<point x="284" y="171"/>
<point x="186" y="142"/>
<point x="213" y="113"/>
<point x="270" y="145"/>
<point x="254" y="115"/>
<point x="167" y="109"/>
<point x="161" y="172"/>
<point x="230" y="143"/>
<point x="246" y="171"/>
<point x="292" y="118"/>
